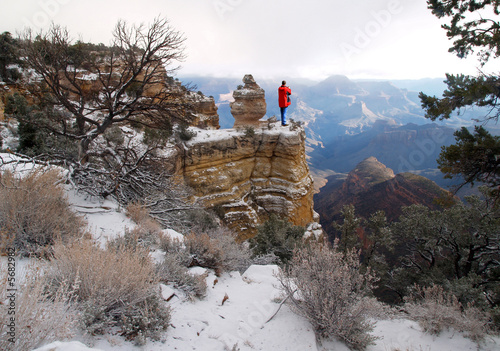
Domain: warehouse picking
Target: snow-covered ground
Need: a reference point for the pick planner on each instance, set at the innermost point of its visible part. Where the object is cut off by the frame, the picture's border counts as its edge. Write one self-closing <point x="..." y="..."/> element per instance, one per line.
<point x="234" y="315"/>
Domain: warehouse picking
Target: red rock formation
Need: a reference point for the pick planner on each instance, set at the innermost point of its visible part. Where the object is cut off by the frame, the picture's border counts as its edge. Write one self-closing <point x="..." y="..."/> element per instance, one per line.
<point x="370" y="187"/>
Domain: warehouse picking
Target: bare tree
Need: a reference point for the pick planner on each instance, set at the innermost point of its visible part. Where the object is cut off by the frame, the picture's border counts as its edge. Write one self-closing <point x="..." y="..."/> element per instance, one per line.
<point x="94" y="87"/>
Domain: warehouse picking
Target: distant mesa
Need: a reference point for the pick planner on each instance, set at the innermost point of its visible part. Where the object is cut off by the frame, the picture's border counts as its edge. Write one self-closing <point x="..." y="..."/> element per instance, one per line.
<point x="249" y="104"/>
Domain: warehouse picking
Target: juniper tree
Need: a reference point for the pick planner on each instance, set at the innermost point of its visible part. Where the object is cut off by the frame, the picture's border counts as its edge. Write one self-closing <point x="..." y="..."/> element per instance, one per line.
<point x="458" y="248"/>
<point x="8" y="56"/>
<point x="475" y="28"/>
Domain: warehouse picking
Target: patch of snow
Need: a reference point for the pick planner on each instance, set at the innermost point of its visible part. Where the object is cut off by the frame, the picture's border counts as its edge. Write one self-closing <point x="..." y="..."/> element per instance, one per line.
<point x="173" y="234"/>
<point x="106" y="219"/>
<point x="66" y="346"/>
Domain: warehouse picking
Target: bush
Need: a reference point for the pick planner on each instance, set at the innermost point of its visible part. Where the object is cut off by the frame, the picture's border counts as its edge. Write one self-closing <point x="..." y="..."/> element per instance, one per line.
<point x="39" y="318"/>
<point x="147" y="232"/>
<point x="436" y="310"/>
<point x="173" y="270"/>
<point x="184" y="133"/>
<point x="326" y="287"/>
<point x="117" y="287"/>
<point x="277" y="236"/>
<point x="249" y="131"/>
<point x="217" y="249"/>
<point x="34" y="212"/>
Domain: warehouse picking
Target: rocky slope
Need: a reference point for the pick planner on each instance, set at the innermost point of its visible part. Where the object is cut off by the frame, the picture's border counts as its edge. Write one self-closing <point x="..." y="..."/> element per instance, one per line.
<point x="370" y="187"/>
<point x="247" y="173"/>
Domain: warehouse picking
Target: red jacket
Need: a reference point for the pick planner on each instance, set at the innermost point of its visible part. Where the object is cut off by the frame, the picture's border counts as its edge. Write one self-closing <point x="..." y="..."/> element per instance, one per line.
<point x="283" y="96"/>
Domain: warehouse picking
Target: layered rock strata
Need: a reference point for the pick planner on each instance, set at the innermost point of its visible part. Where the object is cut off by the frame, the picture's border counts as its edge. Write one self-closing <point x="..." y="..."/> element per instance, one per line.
<point x="205" y="114"/>
<point x="247" y="176"/>
<point x="249" y="104"/>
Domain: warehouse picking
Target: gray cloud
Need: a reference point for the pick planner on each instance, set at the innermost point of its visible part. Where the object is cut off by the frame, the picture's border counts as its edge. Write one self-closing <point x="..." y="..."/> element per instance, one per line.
<point x="314" y="38"/>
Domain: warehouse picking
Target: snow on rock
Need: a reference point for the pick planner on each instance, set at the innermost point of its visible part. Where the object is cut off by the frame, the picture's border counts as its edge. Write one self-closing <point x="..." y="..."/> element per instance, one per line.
<point x="167" y="292"/>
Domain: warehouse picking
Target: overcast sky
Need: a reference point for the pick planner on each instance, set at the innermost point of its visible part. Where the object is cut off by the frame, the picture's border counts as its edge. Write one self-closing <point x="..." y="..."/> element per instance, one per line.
<point x="388" y="39"/>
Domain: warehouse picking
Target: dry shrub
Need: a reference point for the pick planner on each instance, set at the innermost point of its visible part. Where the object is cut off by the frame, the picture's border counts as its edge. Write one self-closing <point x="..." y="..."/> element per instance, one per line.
<point x="326" y="287"/>
<point x="117" y="287"/>
<point x="145" y="235"/>
<point x="137" y="212"/>
<point x="172" y="271"/>
<point x="218" y="250"/>
<point x="436" y="310"/>
<point x="39" y="317"/>
<point x="34" y="212"/>
<point x="148" y="231"/>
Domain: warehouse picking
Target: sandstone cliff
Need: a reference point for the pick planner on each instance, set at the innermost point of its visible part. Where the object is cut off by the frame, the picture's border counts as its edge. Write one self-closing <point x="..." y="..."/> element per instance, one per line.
<point x="246" y="176"/>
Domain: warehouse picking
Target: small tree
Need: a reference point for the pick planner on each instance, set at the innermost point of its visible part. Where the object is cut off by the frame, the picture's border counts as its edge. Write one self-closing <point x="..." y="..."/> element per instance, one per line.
<point x="475" y="157"/>
<point x="8" y="56"/>
<point x="349" y="238"/>
<point x="458" y="248"/>
<point x="277" y="236"/>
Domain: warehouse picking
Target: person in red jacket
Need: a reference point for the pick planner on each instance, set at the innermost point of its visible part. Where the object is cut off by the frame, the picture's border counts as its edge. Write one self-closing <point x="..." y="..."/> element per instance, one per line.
<point x="284" y="101"/>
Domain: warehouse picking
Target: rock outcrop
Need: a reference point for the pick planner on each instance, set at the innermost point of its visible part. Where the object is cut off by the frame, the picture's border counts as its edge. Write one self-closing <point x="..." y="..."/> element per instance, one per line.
<point x="205" y="114"/>
<point x="249" y="104"/>
<point x="247" y="176"/>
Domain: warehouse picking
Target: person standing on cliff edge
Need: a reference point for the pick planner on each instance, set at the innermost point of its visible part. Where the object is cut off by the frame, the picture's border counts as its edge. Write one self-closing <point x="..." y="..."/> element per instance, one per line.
<point x="284" y="93"/>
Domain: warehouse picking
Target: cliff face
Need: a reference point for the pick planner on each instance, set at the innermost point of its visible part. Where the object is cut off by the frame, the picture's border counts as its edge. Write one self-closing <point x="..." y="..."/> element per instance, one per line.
<point x="247" y="176"/>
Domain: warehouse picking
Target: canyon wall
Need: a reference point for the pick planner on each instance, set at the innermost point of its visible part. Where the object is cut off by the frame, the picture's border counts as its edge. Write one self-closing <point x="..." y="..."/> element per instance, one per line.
<point x="245" y="176"/>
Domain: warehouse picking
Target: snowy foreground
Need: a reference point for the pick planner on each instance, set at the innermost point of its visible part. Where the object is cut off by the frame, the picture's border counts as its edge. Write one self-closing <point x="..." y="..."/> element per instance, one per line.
<point x="234" y="314"/>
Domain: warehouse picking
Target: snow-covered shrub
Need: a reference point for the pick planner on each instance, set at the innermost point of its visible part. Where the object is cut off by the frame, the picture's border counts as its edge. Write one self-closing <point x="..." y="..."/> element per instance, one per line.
<point x="326" y="287"/>
<point x="218" y="249"/>
<point x="34" y="212"/>
<point x="185" y="133"/>
<point x="172" y="271"/>
<point x="436" y="310"/>
<point x="117" y="287"/>
<point x="39" y="317"/>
